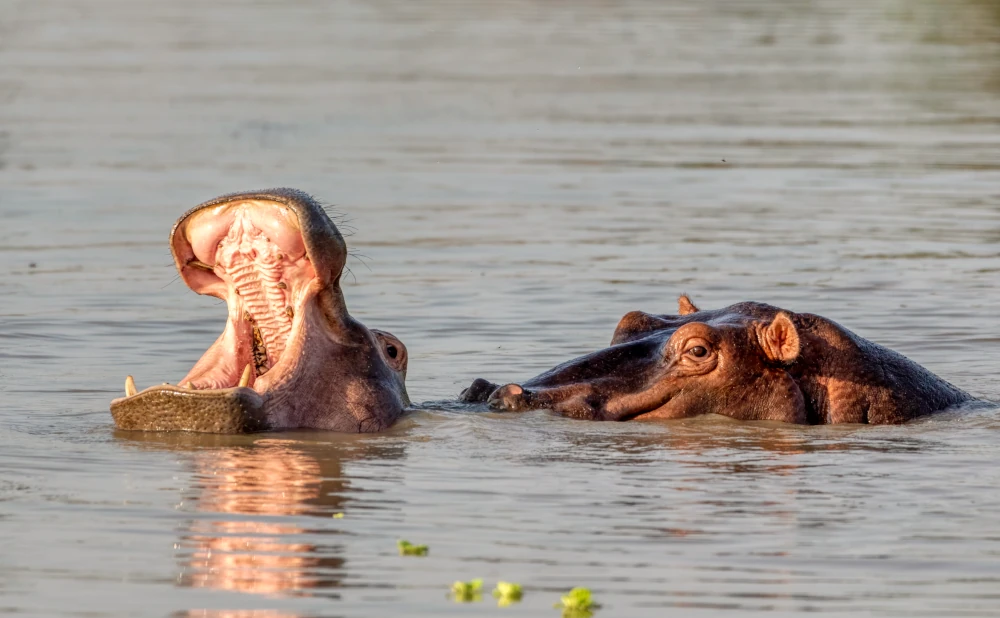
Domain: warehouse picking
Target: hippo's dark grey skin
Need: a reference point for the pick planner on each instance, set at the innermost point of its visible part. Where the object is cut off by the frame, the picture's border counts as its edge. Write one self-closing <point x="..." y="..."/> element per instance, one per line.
<point x="291" y="356"/>
<point x="749" y="361"/>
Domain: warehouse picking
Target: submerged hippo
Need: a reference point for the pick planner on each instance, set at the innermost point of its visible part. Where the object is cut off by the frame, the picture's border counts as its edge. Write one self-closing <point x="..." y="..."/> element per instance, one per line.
<point x="291" y="355"/>
<point x="749" y="361"/>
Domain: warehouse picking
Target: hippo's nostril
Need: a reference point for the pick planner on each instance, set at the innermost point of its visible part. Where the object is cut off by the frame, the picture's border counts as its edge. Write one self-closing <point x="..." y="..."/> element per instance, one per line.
<point x="391" y="351"/>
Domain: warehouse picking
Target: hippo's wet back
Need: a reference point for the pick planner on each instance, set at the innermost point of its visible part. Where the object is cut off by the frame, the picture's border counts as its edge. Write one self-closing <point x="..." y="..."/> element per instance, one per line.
<point x="290" y="355"/>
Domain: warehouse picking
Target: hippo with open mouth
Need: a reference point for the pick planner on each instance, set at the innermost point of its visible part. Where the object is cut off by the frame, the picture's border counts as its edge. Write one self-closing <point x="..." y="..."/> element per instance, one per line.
<point x="749" y="361"/>
<point x="291" y="356"/>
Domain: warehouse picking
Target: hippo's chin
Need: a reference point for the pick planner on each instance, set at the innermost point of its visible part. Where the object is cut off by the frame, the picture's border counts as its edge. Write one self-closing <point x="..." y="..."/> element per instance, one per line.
<point x="656" y="414"/>
<point x="290" y="355"/>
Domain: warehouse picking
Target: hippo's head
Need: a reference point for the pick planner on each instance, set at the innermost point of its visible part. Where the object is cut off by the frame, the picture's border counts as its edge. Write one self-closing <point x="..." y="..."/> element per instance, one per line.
<point x="290" y="355"/>
<point x="733" y="361"/>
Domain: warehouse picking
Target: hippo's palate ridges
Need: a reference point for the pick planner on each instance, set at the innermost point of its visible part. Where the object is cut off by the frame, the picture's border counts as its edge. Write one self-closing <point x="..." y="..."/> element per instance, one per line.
<point x="254" y="266"/>
<point x="264" y="282"/>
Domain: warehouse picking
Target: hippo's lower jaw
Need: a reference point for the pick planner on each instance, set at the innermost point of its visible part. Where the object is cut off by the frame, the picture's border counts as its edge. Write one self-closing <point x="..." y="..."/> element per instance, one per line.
<point x="217" y="397"/>
<point x="290" y="355"/>
<point x="171" y="408"/>
<point x="575" y="401"/>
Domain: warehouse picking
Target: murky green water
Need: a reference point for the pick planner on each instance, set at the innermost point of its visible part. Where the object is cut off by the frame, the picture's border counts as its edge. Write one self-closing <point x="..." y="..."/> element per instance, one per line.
<point x="517" y="175"/>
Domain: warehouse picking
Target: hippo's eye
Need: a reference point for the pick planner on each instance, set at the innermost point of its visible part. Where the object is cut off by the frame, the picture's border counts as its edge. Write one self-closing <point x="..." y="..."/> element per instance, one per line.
<point x="698" y="351"/>
<point x="391" y="350"/>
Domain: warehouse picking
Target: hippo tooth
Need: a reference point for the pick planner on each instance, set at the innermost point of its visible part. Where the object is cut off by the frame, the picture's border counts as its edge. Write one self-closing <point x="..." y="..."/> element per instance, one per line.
<point x="130" y="386"/>
<point x="245" y="379"/>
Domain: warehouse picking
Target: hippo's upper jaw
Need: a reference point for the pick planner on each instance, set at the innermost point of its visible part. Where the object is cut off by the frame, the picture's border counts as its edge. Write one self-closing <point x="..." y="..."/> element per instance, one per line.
<point x="290" y="356"/>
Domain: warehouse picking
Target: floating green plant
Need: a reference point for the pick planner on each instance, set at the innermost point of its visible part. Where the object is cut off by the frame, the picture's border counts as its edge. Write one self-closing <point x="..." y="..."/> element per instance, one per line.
<point x="407" y="548"/>
<point x="467" y="592"/>
<point x="507" y="593"/>
<point x="577" y="603"/>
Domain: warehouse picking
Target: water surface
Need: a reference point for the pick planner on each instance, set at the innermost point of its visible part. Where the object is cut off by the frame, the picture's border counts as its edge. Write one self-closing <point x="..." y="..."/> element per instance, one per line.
<point x="516" y="176"/>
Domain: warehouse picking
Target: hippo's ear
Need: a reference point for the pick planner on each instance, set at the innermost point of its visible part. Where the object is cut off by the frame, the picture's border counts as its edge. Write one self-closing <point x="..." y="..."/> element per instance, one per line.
<point x="685" y="306"/>
<point x="780" y="339"/>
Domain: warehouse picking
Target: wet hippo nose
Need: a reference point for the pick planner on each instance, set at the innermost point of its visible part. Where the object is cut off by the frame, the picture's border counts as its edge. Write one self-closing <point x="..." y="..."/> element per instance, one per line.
<point x="510" y="397"/>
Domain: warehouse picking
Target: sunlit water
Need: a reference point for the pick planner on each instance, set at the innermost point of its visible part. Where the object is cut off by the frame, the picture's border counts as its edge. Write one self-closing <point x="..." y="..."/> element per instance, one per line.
<point x="517" y="176"/>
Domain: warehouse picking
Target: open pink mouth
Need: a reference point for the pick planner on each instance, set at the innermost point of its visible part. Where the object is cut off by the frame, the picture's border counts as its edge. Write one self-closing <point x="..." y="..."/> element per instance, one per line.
<point x="252" y="254"/>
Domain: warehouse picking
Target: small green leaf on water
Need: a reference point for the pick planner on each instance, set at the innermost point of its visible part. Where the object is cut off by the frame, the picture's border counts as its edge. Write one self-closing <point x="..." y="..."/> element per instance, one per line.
<point x="338" y="515"/>
<point x="507" y="593"/>
<point x="467" y="592"/>
<point x="407" y="548"/>
<point x="577" y="603"/>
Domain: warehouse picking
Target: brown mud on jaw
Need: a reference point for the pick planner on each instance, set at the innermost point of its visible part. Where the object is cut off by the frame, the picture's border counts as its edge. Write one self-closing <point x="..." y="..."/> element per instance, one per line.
<point x="290" y="355"/>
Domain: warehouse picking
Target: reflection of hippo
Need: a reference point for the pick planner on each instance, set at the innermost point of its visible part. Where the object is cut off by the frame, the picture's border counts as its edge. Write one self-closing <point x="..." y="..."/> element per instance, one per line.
<point x="291" y="355"/>
<point x="257" y="510"/>
<point x="748" y="361"/>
